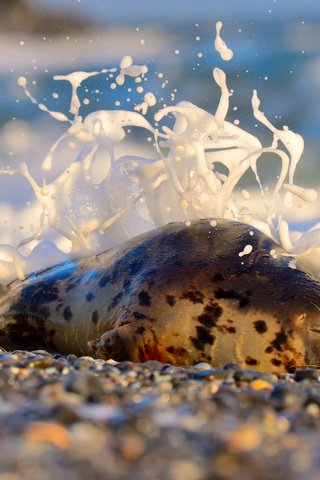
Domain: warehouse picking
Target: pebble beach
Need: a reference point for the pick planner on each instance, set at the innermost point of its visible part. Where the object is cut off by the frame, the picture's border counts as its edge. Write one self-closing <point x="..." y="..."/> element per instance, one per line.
<point x="82" y="418"/>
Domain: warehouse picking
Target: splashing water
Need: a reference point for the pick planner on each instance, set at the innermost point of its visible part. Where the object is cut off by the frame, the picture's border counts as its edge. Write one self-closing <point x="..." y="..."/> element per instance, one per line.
<point x="220" y="45"/>
<point x="88" y="208"/>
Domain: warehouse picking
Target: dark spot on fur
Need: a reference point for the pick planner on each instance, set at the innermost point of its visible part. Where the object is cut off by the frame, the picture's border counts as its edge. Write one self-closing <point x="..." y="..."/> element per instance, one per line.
<point x="95" y="317"/>
<point x="59" y="306"/>
<point x="276" y="362"/>
<point x="196" y="343"/>
<point x="177" y="351"/>
<point x="217" y="277"/>
<point x="37" y="314"/>
<point x="104" y="281"/>
<point x="251" y="361"/>
<point x="45" y="292"/>
<point x="207" y="320"/>
<point x="140" y="330"/>
<point x="269" y="350"/>
<point x="170" y="300"/>
<point x="116" y="299"/>
<point x="67" y="314"/>
<point x="210" y="317"/>
<point x="89" y="297"/>
<point x="138" y="315"/>
<point x="231" y="294"/>
<point x="135" y="267"/>
<point x="70" y="286"/>
<point x="214" y="309"/>
<point x="29" y="332"/>
<point x="260" y="326"/>
<point x="204" y="336"/>
<point x="126" y="284"/>
<point x="195" y="296"/>
<point x="221" y="293"/>
<point x="280" y="340"/>
<point x="267" y="245"/>
<point x="231" y="329"/>
<point x="290" y="366"/>
<point x="137" y="263"/>
<point x="226" y="329"/>
<point x="74" y="282"/>
<point x="144" y="299"/>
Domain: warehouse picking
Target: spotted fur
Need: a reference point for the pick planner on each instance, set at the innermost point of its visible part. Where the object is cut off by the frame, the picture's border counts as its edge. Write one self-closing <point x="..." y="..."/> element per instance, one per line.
<point x="179" y="294"/>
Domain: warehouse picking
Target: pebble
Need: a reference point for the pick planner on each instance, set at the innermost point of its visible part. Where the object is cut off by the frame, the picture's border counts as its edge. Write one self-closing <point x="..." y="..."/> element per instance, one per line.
<point x="260" y="384"/>
<point x="202" y="366"/>
<point x="306" y="374"/>
<point x="286" y="397"/>
<point x="80" y="418"/>
<point x="86" y="385"/>
<point x="48" y="432"/>
<point x="245" y="438"/>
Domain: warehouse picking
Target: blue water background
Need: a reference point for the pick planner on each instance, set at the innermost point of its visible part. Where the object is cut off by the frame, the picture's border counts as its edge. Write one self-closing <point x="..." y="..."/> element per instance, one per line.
<point x="275" y="44"/>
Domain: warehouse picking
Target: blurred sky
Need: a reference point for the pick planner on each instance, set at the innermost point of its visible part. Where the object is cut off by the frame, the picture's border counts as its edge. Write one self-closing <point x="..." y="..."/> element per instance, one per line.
<point x="176" y="11"/>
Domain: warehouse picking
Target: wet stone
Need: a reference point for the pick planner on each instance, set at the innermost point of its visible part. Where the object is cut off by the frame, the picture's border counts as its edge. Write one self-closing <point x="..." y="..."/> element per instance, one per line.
<point x="65" y="414"/>
<point x="232" y="366"/>
<point x="109" y="370"/>
<point x="202" y="366"/>
<point x="82" y="363"/>
<point x="44" y="353"/>
<point x="246" y="375"/>
<point x="204" y="374"/>
<point x="286" y="396"/>
<point x="6" y="360"/>
<point x="226" y="400"/>
<point x="86" y="385"/>
<point x="306" y="374"/>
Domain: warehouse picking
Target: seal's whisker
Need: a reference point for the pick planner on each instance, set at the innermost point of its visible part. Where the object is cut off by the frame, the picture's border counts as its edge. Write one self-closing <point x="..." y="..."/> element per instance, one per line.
<point x="308" y="365"/>
<point x="315" y="305"/>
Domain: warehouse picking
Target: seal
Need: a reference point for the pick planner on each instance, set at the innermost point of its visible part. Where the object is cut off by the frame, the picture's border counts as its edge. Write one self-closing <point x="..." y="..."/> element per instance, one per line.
<point x="210" y="291"/>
